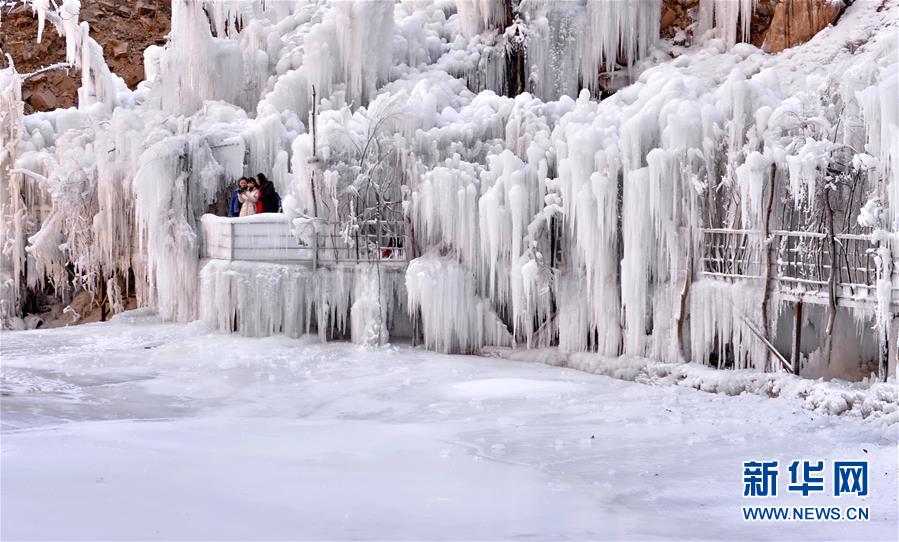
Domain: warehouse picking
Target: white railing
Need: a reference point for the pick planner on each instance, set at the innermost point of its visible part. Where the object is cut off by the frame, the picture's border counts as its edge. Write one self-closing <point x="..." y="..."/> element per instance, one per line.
<point x="269" y="237"/>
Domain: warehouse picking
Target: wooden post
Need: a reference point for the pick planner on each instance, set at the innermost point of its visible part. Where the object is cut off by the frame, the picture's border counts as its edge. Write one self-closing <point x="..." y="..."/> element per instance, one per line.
<point x="103" y="305"/>
<point x="378" y="237"/>
<point x="314" y="160"/>
<point x="883" y="354"/>
<point x="896" y="360"/>
<point x="414" y="317"/>
<point x="768" y="245"/>
<point x="314" y="247"/>
<point x="684" y="294"/>
<point x="834" y="266"/>
<point x="797" y="337"/>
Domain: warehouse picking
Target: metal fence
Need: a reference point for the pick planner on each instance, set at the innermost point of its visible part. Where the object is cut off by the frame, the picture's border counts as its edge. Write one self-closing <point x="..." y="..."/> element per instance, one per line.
<point x="800" y="260"/>
<point x="368" y="241"/>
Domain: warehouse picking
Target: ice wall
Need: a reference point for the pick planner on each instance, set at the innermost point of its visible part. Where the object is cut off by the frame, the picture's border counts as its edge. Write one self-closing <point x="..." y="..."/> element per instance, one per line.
<point x="569" y="44"/>
<point x="544" y="218"/>
<point x="454" y="318"/>
<point x="11" y="203"/>
<point x="259" y="299"/>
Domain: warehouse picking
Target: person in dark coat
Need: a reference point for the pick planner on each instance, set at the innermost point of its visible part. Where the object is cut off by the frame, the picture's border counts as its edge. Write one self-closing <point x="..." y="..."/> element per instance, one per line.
<point x="268" y="198"/>
<point x="234" y="208"/>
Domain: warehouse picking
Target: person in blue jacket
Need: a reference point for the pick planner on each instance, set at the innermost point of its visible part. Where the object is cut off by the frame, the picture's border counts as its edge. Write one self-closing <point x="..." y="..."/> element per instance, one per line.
<point x="234" y="208"/>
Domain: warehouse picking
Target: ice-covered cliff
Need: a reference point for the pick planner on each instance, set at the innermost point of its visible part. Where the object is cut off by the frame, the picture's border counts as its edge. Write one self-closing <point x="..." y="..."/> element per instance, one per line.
<point x="541" y="214"/>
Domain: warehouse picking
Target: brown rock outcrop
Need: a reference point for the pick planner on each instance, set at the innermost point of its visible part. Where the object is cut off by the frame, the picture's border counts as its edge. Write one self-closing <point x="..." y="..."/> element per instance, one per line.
<point x="775" y="25"/>
<point x="41" y="100"/>
<point x="677" y="15"/>
<point x="796" y="21"/>
<point x="123" y="28"/>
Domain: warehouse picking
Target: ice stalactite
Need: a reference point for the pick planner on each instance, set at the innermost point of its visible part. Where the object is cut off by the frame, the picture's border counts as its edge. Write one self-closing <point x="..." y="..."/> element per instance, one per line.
<point x="195" y="66"/>
<point x="445" y="210"/>
<point x="175" y="181"/>
<point x="751" y="177"/>
<point x="454" y="318"/>
<point x="880" y="109"/>
<point x="170" y="241"/>
<point x="39" y="8"/>
<point x="723" y="16"/>
<point x="479" y="15"/>
<point x="721" y="327"/>
<point x="570" y="43"/>
<point x="12" y="238"/>
<point x="364" y="39"/>
<point x="300" y="202"/>
<point x="265" y="140"/>
<point x="69" y="12"/>
<point x="260" y="299"/>
<point x="637" y="260"/>
<point x="378" y="295"/>
<point x="503" y="214"/>
<point x="588" y="186"/>
<point x="805" y="169"/>
<point x="624" y="30"/>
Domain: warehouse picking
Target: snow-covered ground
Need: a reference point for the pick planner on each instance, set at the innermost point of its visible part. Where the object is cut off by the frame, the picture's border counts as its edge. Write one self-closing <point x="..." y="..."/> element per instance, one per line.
<point x="141" y="429"/>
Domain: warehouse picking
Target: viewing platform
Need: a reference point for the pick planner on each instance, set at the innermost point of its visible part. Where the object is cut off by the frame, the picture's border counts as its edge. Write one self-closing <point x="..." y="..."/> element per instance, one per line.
<point x="269" y="237"/>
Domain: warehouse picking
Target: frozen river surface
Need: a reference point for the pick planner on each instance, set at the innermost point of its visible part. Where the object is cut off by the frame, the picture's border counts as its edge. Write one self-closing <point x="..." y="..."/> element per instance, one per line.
<point x="137" y="429"/>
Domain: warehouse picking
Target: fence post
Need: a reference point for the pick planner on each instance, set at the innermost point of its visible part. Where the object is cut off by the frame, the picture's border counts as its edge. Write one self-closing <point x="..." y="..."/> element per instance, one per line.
<point x="797" y="337"/>
<point x="314" y="246"/>
<point x="884" y="272"/>
<point x="231" y="241"/>
<point x="768" y="245"/>
<point x="378" y="238"/>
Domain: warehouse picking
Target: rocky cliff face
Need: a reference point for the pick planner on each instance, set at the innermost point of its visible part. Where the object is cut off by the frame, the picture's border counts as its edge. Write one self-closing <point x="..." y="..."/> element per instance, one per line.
<point x="776" y="24"/>
<point x="123" y="27"/>
<point x="796" y="21"/>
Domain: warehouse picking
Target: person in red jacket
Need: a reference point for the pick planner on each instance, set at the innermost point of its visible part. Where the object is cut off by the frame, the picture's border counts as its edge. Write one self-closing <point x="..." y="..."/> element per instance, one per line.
<point x="269" y="200"/>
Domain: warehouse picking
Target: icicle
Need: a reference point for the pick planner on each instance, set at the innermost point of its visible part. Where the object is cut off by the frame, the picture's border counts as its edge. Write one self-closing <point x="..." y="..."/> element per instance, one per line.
<point x="480" y="15"/>
<point x="453" y="317"/>
<point x="364" y="35"/>
<point x="723" y="16"/>
<point x="374" y="300"/>
<point x="12" y="239"/>
<point x="40" y="8"/>
<point x="722" y="314"/>
<point x="752" y="177"/>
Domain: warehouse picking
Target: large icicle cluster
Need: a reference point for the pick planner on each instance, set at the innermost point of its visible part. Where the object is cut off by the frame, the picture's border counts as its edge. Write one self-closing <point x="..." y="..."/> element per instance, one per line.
<point x="730" y="19"/>
<point x="570" y="44"/>
<point x="535" y="214"/>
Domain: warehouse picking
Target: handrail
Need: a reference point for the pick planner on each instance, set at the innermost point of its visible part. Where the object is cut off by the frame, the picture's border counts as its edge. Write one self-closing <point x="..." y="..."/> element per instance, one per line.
<point x="792" y="233"/>
<point x="271" y="237"/>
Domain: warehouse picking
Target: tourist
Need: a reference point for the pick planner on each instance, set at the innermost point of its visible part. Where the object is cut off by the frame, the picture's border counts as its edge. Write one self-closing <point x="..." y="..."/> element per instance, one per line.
<point x="248" y="199"/>
<point x="270" y="201"/>
<point x="234" y="208"/>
